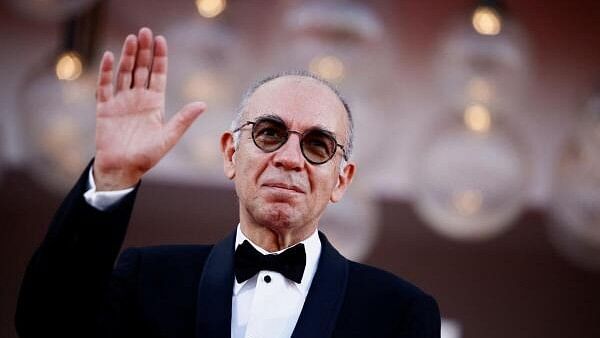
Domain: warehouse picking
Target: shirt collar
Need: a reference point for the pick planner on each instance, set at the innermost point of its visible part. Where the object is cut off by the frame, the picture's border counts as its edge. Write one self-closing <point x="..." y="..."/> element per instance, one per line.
<point x="312" y="245"/>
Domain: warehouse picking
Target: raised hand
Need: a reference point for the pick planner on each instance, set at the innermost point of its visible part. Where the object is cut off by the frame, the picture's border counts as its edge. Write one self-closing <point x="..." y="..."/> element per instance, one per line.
<point x="131" y="134"/>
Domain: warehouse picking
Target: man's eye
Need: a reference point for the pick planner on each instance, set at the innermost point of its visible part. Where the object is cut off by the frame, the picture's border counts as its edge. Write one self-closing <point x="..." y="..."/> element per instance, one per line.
<point x="269" y="132"/>
<point x="318" y="145"/>
<point x="314" y="143"/>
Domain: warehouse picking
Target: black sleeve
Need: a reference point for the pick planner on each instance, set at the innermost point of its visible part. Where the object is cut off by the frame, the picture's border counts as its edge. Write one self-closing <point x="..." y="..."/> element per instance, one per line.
<point x="67" y="278"/>
<point x="118" y="317"/>
<point x="423" y="320"/>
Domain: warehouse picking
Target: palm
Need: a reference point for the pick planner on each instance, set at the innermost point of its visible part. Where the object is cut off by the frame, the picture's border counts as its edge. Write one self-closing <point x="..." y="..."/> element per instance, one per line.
<point x="131" y="134"/>
<point x="130" y="130"/>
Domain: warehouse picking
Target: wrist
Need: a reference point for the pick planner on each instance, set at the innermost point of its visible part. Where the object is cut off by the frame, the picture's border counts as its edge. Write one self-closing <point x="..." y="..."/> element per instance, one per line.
<point x="115" y="179"/>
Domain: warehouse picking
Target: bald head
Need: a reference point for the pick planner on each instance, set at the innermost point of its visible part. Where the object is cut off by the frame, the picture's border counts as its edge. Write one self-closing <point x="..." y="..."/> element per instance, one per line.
<point x="301" y="75"/>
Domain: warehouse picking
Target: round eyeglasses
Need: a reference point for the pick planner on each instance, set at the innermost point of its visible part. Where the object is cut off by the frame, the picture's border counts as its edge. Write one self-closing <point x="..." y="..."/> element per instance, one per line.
<point x="317" y="145"/>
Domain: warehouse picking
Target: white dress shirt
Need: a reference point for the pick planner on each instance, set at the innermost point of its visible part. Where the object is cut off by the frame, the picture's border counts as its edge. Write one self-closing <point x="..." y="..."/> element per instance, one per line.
<point x="267" y="305"/>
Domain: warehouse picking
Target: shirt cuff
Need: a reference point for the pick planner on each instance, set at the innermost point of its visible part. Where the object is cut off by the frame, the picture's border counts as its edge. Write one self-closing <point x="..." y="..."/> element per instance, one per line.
<point x="103" y="200"/>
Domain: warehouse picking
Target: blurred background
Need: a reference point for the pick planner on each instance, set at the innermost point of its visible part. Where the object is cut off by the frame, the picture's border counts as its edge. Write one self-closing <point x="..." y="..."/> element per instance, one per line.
<point x="477" y="139"/>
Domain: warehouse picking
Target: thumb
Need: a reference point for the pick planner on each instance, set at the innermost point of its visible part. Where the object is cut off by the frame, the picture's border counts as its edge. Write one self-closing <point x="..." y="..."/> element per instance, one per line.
<point x="181" y="121"/>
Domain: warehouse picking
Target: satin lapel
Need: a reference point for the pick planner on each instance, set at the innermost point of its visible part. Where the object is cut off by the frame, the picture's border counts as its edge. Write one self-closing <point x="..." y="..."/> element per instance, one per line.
<point x="214" y="292"/>
<point x="325" y="296"/>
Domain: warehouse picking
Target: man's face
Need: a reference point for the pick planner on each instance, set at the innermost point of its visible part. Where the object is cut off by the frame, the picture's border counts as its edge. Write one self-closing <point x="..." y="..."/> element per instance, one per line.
<point x="281" y="190"/>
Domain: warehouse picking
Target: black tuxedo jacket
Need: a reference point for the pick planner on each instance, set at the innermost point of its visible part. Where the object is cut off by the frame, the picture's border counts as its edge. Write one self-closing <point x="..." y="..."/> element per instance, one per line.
<point x="71" y="288"/>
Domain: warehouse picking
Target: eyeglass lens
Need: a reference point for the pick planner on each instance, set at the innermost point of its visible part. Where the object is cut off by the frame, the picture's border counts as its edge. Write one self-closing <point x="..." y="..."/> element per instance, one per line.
<point x="316" y="145"/>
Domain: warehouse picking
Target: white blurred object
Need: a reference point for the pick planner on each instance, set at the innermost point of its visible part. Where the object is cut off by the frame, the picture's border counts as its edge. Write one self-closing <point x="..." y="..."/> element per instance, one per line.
<point x="342" y="21"/>
<point x="470" y="185"/>
<point x="207" y="63"/>
<point x="487" y="69"/>
<point x="472" y="179"/>
<point x="450" y="329"/>
<point x="330" y="38"/>
<point x="575" y="208"/>
<point x="59" y="122"/>
<point x="351" y="225"/>
<point x="50" y="10"/>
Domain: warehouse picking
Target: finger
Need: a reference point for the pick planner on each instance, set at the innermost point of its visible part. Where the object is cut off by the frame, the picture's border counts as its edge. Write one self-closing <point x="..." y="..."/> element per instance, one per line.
<point x="104" y="90"/>
<point x="158" y="76"/>
<point x="127" y="62"/>
<point x="181" y="121"/>
<point x="143" y="61"/>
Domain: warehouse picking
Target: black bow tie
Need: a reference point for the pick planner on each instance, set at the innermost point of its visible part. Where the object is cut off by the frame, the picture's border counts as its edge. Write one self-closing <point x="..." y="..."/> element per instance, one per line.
<point x="290" y="263"/>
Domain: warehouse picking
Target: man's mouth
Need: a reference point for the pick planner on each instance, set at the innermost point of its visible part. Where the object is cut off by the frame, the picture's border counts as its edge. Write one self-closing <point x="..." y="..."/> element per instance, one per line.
<point x="284" y="186"/>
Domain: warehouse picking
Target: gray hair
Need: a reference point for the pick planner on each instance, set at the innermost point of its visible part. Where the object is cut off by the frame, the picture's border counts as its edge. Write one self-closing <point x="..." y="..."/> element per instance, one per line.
<point x="303" y="73"/>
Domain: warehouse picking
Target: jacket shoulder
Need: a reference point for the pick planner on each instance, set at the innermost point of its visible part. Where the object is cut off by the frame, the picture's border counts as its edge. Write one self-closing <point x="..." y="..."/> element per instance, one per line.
<point x="381" y="304"/>
<point x="382" y="282"/>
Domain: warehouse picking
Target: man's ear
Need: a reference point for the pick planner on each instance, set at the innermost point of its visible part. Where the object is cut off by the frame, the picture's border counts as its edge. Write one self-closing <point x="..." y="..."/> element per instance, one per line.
<point x="344" y="180"/>
<point x="228" y="152"/>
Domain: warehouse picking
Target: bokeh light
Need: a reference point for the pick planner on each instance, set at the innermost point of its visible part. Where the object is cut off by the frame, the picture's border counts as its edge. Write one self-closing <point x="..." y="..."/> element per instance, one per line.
<point x="329" y="67"/>
<point x="478" y="118"/>
<point x="210" y="8"/>
<point x="487" y="21"/>
<point x="69" y="66"/>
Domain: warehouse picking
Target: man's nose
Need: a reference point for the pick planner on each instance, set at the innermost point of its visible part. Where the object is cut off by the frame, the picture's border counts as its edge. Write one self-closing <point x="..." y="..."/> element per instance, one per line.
<point x="289" y="156"/>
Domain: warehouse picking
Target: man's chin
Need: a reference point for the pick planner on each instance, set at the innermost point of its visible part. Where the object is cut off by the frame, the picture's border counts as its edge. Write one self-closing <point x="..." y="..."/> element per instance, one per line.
<point x="278" y="215"/>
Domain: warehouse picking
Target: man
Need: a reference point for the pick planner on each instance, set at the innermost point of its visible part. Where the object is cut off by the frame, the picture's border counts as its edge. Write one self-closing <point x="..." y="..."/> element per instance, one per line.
<point x="274" y="276"/>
